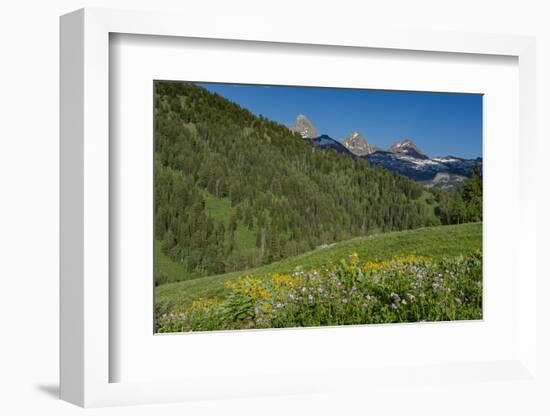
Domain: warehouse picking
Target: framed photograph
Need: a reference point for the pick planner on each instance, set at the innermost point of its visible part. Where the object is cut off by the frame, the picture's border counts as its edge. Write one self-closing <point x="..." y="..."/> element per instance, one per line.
<point x="285" y="213"/>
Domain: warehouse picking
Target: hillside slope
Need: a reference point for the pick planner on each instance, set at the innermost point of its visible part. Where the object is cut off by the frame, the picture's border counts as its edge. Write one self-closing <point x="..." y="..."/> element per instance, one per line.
<point x="235" y="191"/>
<point x="435" y="242"/>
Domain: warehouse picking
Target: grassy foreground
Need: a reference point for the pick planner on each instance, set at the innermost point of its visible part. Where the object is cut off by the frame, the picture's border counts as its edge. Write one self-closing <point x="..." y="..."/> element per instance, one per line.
<point x="404" y="289"/>
<point x="435" y="243"/>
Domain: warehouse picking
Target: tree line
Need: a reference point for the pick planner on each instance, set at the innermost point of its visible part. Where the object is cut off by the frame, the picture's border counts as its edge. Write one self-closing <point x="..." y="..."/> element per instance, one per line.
<point x="464" y="205"/>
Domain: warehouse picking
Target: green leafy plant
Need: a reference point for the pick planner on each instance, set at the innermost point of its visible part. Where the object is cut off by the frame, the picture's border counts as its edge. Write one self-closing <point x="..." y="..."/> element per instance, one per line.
<point x="349" y="292"/>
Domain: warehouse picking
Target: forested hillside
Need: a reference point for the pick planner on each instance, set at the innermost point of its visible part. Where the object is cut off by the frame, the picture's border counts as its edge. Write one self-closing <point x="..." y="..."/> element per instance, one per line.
<point x="466" y="205"/>
<point x="235" y="191"/>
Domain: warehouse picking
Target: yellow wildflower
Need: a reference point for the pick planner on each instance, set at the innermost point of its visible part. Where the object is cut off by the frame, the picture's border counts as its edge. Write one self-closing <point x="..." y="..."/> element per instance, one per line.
<point x="284" y="281"/>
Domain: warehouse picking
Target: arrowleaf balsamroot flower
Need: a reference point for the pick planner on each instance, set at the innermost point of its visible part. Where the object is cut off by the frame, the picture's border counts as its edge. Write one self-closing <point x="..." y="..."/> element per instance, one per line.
<point x="403" y="289"/>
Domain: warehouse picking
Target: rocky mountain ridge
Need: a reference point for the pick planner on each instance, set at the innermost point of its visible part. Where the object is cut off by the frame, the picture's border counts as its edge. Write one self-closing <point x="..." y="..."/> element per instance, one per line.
<point x="403" y="157"/>
<point x="304" y="127"/>
<point x="356" y="144"/>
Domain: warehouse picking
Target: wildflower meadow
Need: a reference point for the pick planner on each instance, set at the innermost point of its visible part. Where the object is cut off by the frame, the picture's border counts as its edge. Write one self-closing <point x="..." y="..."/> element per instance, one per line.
<point x="348" y="292"/>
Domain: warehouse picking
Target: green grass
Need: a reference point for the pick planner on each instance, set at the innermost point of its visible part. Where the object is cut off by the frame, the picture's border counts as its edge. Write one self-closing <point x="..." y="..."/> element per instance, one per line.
<point x="351" y="292"/>
<point x="430" y="207"/>
<point x="435" y="242"/>
<point x="220" y="210"/>
<point x="165" y="266"/>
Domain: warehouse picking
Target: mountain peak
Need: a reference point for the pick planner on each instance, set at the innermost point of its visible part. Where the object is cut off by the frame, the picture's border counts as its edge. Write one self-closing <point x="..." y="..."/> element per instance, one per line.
<point x="305" y="127"/>
<point x="401" y="145"/>
<point x="356" y="143"/>
<point x="407" y="147"/>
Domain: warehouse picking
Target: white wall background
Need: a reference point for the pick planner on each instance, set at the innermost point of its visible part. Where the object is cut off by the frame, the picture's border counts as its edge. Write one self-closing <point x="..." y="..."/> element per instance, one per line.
<point x="29" y="115"/>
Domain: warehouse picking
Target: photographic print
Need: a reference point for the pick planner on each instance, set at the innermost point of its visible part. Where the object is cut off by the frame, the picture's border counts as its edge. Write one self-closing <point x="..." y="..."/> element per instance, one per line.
<point x="289" y="206"/>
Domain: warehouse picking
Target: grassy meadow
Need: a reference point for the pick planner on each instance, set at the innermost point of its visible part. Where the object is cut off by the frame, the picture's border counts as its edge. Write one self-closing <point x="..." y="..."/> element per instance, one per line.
<point x="429" y="248"/>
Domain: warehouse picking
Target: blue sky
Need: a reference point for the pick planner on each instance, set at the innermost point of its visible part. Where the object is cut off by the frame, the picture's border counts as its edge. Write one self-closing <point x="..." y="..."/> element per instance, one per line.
<point x="439" y="123"/>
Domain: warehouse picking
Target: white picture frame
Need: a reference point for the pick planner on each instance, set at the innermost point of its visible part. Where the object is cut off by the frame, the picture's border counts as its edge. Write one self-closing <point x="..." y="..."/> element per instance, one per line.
<point x="86" y="356"/>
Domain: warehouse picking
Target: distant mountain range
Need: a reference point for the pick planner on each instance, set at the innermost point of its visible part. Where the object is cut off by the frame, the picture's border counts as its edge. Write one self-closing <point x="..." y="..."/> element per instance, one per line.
<point x="403" y="157"/>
